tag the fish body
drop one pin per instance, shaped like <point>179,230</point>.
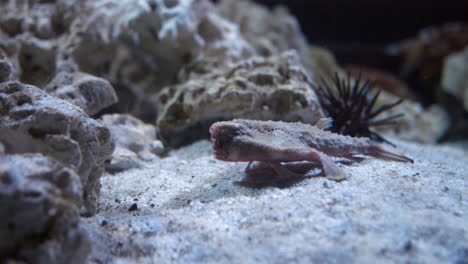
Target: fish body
<point>276,142</point>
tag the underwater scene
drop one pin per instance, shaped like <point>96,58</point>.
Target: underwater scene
<point>233,131</point>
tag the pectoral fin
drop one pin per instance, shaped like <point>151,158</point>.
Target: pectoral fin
<point>282,171</point>
<point>330,168</point>
<point>324,123</point>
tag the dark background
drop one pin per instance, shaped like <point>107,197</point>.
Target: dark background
<point>370,20</point>
<point>357,31</point>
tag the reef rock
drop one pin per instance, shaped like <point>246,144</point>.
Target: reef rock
<point>43,19</point>
<point>140,46</point>
<point>270,32</point>
<point>32,121</point>
<point>135,142</point>
<point>418,124</point>
<point>455,76</point>
<point>5,67</point>
<point>39,204</point>
<point>322,62</point>
<point>89,92</point>
<point>275,88</point>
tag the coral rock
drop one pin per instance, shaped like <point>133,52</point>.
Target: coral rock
<point>39,204</point>
<point>425,53</point>
<point>417,124</point>
<point>276,88</point>
<point>455,76</point>
<point>270,32</point>
<point>135,142</point>
<point>5,67</point>
<point>31,121</point>
<point>90,93</point>
<point>140,46</point>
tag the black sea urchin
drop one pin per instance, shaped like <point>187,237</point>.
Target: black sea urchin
<point>351,107</point>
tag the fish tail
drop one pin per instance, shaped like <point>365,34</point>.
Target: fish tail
<point>385,152</point>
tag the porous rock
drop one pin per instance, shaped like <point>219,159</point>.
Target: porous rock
<point>136,142</point>
<point>32,121</point>
<point>31,34</point>
<point>5,67</point>
<point>275,88</point>
<point>418,124</point>
<point>43,19</point>
<point>270,31</point>
<point>33,60</point>
<point>89,92</point>
<point>39,204</point>
<point>140,46</point>
<point>455,76</point>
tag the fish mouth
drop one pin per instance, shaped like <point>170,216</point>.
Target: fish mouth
<point>215,131</point>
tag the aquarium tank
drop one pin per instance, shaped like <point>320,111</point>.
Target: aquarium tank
<point>233,131</point>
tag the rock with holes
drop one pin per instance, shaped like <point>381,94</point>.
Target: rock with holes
<point>42,19</point>
<point>276,88</point>
<point>39,205</point>
<point>31,33</point>
<point>5,67</point>
<point>136,142</point>
<point>140,46</point>
<point>270,31</point>
<point>33,60</point>
<point>32,121</point>
<point>89,92</point>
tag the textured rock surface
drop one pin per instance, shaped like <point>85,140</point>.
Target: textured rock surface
<point>140,46</point>
<point>89,92</point>
<point>136,142</point>
<point>455,76</point>
<point>43,19</point>
<point>5,67</point>
<point>270,32</point>
<point>31,32</point>
<point>31,121</point>
<point>192,208</point>
<point>33,59</point>
<point>418,124</point>
<point>39,204</point>
<point>276,88</point>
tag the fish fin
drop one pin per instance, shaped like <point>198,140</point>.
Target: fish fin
<point>330,169</point>
<point>324,123</point>
<point>282,171</point>
<point>384,152</point>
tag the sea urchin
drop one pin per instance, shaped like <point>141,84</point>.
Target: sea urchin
<point>351,107</point>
